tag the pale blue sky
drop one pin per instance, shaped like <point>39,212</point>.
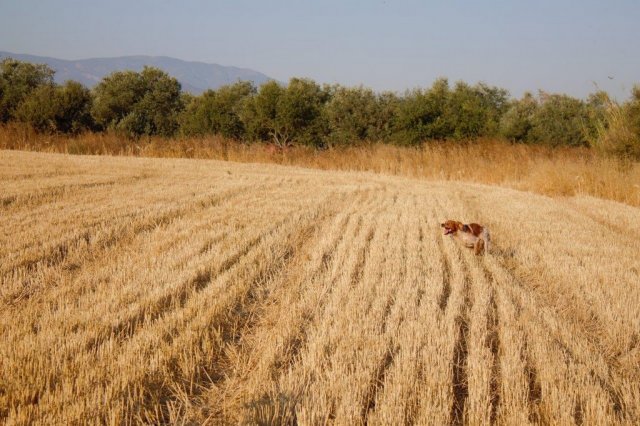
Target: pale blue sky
<point>559,46</point>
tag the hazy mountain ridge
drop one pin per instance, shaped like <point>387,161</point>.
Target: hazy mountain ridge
<point>195,77</point>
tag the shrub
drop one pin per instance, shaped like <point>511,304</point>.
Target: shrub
<point>475,111</point>
<point>38,109</point>
<point>73,108</point>
<point>517,121</point>
<point>144,103</point>
<point>421,115</point>
<point>287,114</point>
<point>217,111</point>
<point>352,115</point>
<point>559,120</point>
<point>633,110</point>
<point>17,81</point>
<point>57,108</point>
<point>441,113</point>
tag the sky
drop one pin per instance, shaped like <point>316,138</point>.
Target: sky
<point>573,47</point>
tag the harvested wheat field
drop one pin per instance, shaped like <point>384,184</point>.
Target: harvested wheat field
<point>165,291</point>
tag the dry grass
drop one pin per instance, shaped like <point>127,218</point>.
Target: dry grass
<point>144,290</point>
<point>553,172</point>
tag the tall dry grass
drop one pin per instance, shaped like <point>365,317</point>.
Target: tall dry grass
<point>554,172</point>
<point>614,134</point>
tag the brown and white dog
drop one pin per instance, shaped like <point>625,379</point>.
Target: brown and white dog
<point>471,235</point>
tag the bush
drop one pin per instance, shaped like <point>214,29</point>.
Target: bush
<point>144,103</point>
<point>550,119</point>
<point>17,81</point>
<point>38,109</point>
<point>441,113</point>
<point>73,108</point>
<point>633,111</point>
<point>475,111</point>
<point>421,115</point>
<point>217,112</point>
<point>287,114</point>
<point>517,122</point>
<point>559,120</point>
<point>57,108</point>
<point>357,114</point>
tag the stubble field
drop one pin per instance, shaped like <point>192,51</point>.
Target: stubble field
<point>158,290</point>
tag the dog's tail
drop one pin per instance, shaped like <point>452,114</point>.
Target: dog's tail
<point>486,237</point>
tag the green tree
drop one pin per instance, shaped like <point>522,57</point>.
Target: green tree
<point>57,108</point>
<point>218,111</point>
<point>559,120</point>
<point>38,109</point>
<point>116,97</point>
<point>259,113</point>
<point>516,123</point>
<point>354,114</point>
<point>287,114</point>
<point>386,116</point>
<point>17,80</point>
<point>144,103</point>
<point>73,108</point>
<point>421,114</point>
<point>633,110</point>
<point>471,111</point>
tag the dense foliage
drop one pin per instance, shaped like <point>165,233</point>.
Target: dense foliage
<point>17,81</point>
<point>65,108</point>
<point>150,102</point>
<point>144,103</point>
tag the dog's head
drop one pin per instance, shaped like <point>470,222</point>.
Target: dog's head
<point>451,227</point>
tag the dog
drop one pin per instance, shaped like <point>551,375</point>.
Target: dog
<point>471,235</point>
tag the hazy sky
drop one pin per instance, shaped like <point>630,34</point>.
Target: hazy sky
<point>559,46</point>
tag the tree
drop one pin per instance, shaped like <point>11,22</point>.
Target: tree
<point>287,114</point>
<point>467,112</point>
<point>516,123</point>
<point>73,108</point>
<point>559,120</point>
<point>218,111</point>
<point>352,115</point>
<point>259,113</point>
<point>115,98</point>
<point>144,103</point>
<point>38,109</point>
<point>421,114</point>
<point>57,108</point>
<point>633,110</point>
<point>17,80</point>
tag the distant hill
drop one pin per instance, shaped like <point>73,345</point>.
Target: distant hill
<point>195,77</point>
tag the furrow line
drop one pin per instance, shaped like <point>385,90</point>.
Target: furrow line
<point>59,192</point>
<point>243,316</point>
<point>88,246</point>
<point>532,304</point>
<point>493,344</point>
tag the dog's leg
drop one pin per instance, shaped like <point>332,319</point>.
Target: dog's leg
<point>479,246</point>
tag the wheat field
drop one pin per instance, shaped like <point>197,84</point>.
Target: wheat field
<point>181,291</point>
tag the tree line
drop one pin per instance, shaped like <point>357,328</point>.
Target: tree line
<point>151,102</point>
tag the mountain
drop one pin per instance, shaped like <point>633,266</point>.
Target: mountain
<point>195,77</point>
